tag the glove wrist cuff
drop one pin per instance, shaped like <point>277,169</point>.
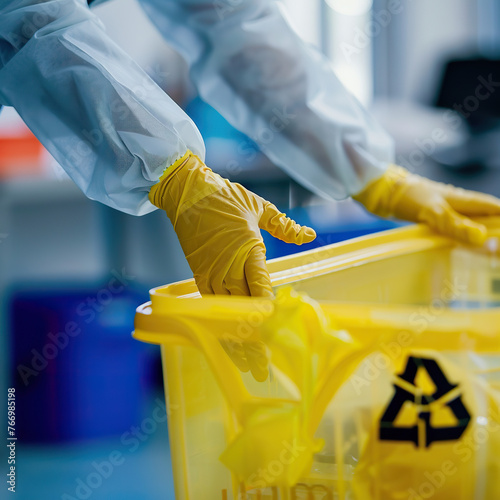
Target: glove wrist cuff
<point>380,196</point>
<point>170,170</point>
<point>156,192</point>
<point>184,184</point>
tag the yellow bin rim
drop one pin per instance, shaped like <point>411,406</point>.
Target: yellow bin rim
<point>155,320</point>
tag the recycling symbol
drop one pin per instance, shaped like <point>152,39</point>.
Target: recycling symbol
<point>407,391</point>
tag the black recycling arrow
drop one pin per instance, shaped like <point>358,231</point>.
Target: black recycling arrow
<point>390,432</point>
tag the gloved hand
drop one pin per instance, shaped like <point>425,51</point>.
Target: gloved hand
<point>217,223</point>
<point>443,207</point>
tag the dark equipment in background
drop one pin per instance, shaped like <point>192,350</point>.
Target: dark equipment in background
<point>471,87</point>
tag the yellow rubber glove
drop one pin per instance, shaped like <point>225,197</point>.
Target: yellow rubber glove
<point>218,225</point>
<point>445,208</point>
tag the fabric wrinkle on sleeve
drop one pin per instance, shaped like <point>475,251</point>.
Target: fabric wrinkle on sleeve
<point>97,112</point>
<point>249,64</point>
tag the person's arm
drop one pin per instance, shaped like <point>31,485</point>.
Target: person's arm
<point>251,66</point>
<point>105,121</point>
<point>121,139</point>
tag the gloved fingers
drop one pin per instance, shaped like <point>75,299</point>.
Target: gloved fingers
<point>248,356</point>
<point>203,285</point>
<point>282,227</point>
<point>472,203</point>
<point>237,354</point>
<point>222,286</point>
<point>256,273</point>
<point>256,356</point>
<point>235,284</point>
<point>447,221</point>
<point>248,277</point>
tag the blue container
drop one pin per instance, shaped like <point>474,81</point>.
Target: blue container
<point>77,371</point>
<point>325,236</point>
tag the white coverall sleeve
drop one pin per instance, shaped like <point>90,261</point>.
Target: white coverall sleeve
<point>104,120</point>
<point>253,68</point>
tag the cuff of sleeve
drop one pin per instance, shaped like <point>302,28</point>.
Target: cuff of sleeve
<point>185,183</point>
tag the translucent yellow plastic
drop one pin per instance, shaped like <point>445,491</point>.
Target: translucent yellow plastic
<point>384,375</point>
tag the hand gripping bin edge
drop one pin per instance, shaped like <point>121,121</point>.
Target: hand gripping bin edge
<point>384,375</point>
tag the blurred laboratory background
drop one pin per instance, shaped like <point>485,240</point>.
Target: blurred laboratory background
<point>90,405</point>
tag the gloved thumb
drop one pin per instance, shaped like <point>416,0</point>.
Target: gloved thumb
<point>282,227</point>
<point>447,221</point>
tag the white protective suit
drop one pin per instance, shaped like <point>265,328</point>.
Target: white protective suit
<point>85,99</point>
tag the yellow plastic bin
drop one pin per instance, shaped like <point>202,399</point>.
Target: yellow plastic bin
<point>384,375</point>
